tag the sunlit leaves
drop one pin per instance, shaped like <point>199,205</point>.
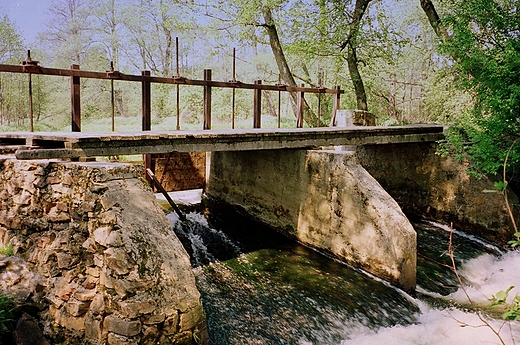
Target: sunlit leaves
<point>485,43</point>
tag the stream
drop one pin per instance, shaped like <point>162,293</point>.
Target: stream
<point>259,287</point>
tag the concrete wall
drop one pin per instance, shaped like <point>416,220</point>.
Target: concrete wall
<point>427,185</point>
<point>95,258</point>
<point>324,199</point>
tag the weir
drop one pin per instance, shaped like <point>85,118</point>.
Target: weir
<point>343,203</point>
<point>324,199</point>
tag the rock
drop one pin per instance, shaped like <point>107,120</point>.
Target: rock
<point>68,321</point>
<point>191,318</point>
<point>93,272</point>
<point>87,206</point>
<point>90,283</point>
<point>97,306</point>
<point>114,239</point>
<point>93,329</point>
<point>183,338</point>
<point>121,326</point>
<point>66,260</point>
<point>118,260</point>
<point>107,202</point>
<point>171,324</point>
<point>90,245</point>
<point>108,218</point>
<point>53,179</point>
<point>101,235</point>
<point>63,290</point>
<point>84,295</point>
<point>115,339</point>
<point>154,319</point>
<point>134,309</point>
<point>28,332</point>
<point>150,336</point>
<point>76,308</point>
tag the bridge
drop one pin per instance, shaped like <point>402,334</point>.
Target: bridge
<point>347,204</point>
<point>43,145</point>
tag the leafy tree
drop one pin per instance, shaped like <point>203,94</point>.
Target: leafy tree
<point>69,33</point>
<point>11,44</point>
<point>11,86</point>
<point>482,39</point>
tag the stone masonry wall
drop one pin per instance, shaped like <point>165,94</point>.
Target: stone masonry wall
<point>95,258</point>
<point>427,185</point>
<point>181,170</point>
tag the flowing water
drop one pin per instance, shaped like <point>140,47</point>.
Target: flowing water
<point>258,287</point>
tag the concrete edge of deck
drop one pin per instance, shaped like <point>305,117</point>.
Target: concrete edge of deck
<point>77,145</point>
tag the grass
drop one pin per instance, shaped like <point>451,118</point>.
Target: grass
<point>6,313</point>
<point>7,250</point>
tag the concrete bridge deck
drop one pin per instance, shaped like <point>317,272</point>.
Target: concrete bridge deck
<point>49,145</point>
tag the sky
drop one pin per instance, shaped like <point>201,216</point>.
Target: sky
<point>27,15</point>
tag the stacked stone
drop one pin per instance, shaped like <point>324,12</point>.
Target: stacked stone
<point>104,265</point>
<point>181,170</point>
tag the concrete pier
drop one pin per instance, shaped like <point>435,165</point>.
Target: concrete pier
<point>326,200</point>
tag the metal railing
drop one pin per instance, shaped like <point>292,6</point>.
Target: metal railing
<point>75,74</point>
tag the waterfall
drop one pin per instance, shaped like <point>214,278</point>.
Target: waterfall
<point>259,287</point>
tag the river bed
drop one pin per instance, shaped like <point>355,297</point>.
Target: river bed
<point>259,287</point>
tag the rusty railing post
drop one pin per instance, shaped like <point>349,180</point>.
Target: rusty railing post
<point>146,108</point>
<point>301,105</point>
<point>112,98</point>
<point>257,106</point>
<point>177,92</point>
<point>146,102</point>
<point>207,99</point>
<point>31,103</point>
<point>75,101</point>
<point>335,106</point>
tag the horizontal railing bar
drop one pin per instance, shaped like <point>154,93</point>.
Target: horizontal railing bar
<point>161,80</point>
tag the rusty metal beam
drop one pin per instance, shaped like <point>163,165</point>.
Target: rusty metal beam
<point>161,80</point>
<point>207,100</point>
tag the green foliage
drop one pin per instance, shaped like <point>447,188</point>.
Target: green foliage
<point>7,250</point>
<point>6,313</point>
<point>512,310</point>
<point>516,242</point>
<point>11,44</point>
<point>485,48</point>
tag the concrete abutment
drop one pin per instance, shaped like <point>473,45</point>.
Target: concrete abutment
<point>324,199</point>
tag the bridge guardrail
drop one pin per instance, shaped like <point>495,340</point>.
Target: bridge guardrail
<point>31,67</point>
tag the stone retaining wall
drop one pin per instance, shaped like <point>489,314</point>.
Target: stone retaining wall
<point>180,170</point>
<point>427,185</point>
<point>95,258</point>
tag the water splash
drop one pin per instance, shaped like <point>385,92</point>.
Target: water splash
<point>434,326</point>
<point>484,277</point>
<point>287,294</point>
<point>203,243</point>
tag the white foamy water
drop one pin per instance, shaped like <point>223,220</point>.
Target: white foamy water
<point>195,217</point>
<point>485,276</point>
<point>446,327</point>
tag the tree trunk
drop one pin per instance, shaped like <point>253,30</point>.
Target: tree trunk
<point>357,81</point>
<point>433,18</point>
<point>351,57</point>
<point>283,66</point>
<point>270,104</point>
